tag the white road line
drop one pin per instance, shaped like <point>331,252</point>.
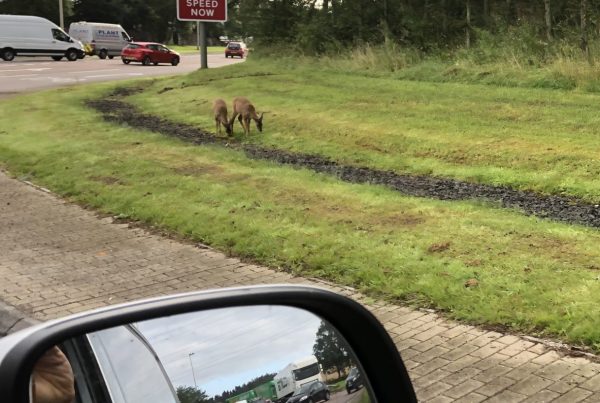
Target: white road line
<point>115,75</point>
<point>38,69</point>
<point>20,75</point>
<point>94,71</point>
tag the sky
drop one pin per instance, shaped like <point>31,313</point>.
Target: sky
<point>230,346</point>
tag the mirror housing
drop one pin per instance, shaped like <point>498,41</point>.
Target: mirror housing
<point>372,346</point>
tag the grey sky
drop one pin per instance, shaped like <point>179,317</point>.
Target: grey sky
<point>232,345</point>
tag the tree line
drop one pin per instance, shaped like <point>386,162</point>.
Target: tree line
<point>318,25</point>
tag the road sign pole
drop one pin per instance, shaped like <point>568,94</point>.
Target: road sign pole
<point>61,14</point>
<point>203,50</point>
<point>198,35</point>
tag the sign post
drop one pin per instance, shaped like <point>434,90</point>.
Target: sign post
<point>202,11</point>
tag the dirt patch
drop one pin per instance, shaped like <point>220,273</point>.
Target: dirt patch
<point>438,247</point>
<point>107,180</point>
<point>560,208</point>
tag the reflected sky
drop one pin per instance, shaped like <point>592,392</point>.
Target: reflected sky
<point>230,346</point>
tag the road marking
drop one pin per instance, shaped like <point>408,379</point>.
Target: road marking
<point>38,69</point>
<point>115,75</point>
<point>94,71</point>
<point>20,75</point>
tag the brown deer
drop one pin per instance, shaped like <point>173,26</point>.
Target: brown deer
<point>244,110</point>
<point>220,111</point>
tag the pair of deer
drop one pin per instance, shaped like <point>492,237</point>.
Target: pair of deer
<point>242,108</point>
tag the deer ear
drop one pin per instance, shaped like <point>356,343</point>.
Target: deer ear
<point>261,116</point>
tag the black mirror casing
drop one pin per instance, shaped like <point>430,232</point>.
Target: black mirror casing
<point>373,347</point>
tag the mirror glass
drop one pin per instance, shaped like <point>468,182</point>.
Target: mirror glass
<point>249,354</point>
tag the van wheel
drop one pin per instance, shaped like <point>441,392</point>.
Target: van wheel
<point>71,55</point>
<point>103,53</point>
<point>111,57</point>
<point>8,54</point>
<point>57,58</point>
<point>146,61</point>
<point>175,61</point>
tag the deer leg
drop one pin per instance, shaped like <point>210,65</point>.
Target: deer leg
<point>217,126</point>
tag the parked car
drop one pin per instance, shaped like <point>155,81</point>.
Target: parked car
<point>311,393</point>
<point>354,381</point>
<point>24,35</point>
<point>238,49</point>
<point>103,40</point>
<point>149,53</point>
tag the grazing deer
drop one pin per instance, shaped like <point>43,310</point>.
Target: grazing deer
<point>220,111</point>
<point>244,110</point>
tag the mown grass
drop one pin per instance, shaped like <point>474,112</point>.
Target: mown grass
<point>538,139</point>
<point>192,49</point>
<point>534,275</point>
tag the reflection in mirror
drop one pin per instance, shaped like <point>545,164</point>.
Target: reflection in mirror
<point>250,354</point>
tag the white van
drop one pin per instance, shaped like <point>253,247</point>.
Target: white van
<point>25,35</point>
<point>99,38</point>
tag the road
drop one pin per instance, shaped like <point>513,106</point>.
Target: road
<point>26,74</point>
<point>343,397</point>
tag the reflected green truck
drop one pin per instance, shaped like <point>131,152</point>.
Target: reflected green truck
<point>264,391</point>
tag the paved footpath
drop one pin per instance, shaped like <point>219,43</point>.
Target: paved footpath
<point>57,258</point>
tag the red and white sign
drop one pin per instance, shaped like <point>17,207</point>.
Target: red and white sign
<point>202,10</point>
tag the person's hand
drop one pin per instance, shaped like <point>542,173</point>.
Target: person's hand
<point>52,378</point>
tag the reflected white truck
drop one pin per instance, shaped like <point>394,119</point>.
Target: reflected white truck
<point>295,375</point>
<point>101,39</point>
<point>25,35</point>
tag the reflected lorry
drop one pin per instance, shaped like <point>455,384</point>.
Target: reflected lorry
<point>295,375</point>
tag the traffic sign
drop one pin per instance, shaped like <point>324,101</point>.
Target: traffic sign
<point>202,10</point>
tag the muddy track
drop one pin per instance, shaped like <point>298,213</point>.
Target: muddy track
<point>560,208</point>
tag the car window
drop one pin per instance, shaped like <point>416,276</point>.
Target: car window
<point>60,35</point>
<point>133,46</point>
<point>163,49</point>
<point>234,46</point>
<point>124,36</point>
<point>130,367</point>
<point>152,47</point>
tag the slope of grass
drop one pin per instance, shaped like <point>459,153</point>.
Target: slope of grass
<point>533,275</point>
<point>539,139</point>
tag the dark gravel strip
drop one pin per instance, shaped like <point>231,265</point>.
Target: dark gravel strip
<point>560,208</point>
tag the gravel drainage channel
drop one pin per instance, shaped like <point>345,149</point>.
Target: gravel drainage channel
<point>560,208</point>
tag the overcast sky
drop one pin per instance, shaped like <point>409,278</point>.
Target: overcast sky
<point>230,346</point>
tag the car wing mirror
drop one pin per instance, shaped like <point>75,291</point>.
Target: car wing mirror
<point>225,344</point>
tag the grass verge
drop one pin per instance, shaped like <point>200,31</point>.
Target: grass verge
<point>538,139</point>
<point>532,275</point>
<point>193,49</point>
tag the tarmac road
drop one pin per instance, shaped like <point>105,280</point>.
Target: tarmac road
<point>27,74</point>
<point>343,397</point>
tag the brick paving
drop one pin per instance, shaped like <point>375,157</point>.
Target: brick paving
<point>57,258</point>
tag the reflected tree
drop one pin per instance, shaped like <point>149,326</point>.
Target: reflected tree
<point>190,394</point>
<point>332,351</point>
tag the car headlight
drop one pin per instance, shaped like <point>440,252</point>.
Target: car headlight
<point>303,398</point>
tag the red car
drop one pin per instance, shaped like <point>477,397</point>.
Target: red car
<point>235,49</point>
<point>149,53</point>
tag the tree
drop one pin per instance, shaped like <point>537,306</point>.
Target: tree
<point>331,351</point>
<point>190,394</point>
<point>41,8</point>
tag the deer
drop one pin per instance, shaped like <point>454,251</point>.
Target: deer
<point>220,111</point>
<point>244,110</point>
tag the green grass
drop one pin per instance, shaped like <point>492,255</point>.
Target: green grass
<point>539,139</point>
<point>337,386</point>
<point>193,49</point>
<point>534,275</point>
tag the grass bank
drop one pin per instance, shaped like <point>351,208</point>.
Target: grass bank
<point>192,49</point>
<point>536,139</point>
<point>532,275</point>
